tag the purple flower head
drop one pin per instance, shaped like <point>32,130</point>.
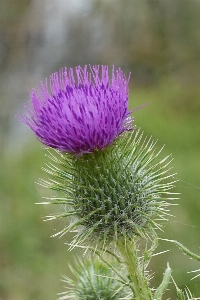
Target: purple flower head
<point>80,113</point>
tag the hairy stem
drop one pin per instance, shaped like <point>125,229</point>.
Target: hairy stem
<point>136,275</point>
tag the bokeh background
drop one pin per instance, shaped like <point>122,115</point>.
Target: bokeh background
<point>158,41</point>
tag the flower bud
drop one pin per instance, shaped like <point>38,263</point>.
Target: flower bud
<point>94,280</point>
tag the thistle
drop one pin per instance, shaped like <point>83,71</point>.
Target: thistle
<point>93,280</point>
<point>112,186</point>
<point>115,187</point>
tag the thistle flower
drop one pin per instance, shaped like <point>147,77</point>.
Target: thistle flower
<point>80,113</point>
<point>94,280</point>
<point>112,187</point>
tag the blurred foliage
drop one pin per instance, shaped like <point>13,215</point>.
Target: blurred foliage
<point>31,262</point>
<point>11,15</point>
<point>159,42</point>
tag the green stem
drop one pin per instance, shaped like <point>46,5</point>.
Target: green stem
<point>138,280</point>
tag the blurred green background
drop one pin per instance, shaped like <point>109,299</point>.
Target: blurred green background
<point>158,41</point>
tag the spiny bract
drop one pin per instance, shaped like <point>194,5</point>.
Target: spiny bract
<point>94,280</point>
<point>118,192</point>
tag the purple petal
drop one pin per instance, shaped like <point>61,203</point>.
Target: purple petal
<point>80,113</point>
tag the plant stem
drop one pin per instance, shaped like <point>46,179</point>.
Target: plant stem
<point>136,275</point>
